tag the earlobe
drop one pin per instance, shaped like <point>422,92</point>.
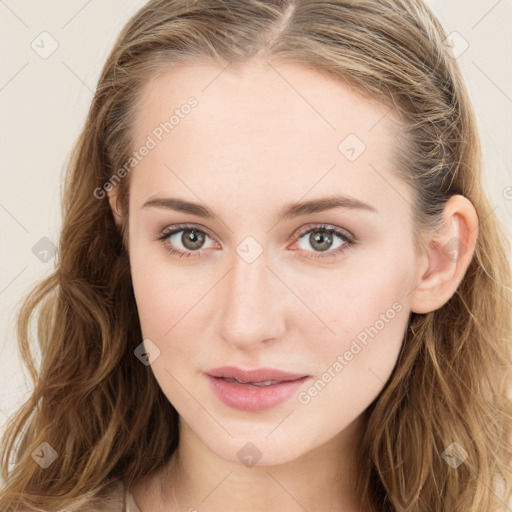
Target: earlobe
<point>112,199</point>
<point>450,251</point>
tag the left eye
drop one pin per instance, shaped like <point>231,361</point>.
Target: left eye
<point>192,240</point>
<point>321,238</point>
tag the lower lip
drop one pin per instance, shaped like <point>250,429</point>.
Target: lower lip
<point>247,397</point>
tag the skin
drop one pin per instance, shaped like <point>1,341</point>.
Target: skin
<point>255,142</point>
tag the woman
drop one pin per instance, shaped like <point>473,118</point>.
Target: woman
<point>279,283</point>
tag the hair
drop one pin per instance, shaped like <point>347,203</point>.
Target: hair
<point>103,411</point>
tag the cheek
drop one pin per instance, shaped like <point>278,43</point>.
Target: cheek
<point>162,291</point>
<point>354,366</point>
<point>364,308</point>
<point>350,304</point>
<point>366,315</point>
<point>358,298</point>
<point>163,298</point>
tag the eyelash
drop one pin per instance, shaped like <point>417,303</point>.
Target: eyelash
<point>347,238</point>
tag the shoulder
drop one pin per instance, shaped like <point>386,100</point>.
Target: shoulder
<point>119,499</point>
<point>110,499</point>
<point>129,502</point>
<point>122,499</point>
<point>114,498</point>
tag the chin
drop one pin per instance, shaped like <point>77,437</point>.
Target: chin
<point>250,451</point>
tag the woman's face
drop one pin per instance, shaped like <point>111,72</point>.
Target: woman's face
<point>257,286</point>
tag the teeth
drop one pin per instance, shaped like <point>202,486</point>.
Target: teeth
<point>264,383</point>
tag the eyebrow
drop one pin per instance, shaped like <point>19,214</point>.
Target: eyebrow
<point>288,211</point>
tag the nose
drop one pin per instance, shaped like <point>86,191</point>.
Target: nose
<point>252,302</point>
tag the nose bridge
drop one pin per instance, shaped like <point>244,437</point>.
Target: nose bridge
<point>251,307</point>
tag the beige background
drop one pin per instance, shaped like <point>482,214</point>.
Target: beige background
<point>43,103</point>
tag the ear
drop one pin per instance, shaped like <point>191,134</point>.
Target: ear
<point>112,199</point>
<point>450,251</point>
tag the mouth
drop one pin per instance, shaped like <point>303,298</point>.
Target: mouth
<point>254,390</point>
<point>256,384</point>
<point>259,376</point>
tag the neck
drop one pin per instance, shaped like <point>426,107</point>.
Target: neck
<point>321,479</point>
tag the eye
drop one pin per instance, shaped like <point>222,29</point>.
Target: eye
<point>321,238</point>
<point>191,240</point>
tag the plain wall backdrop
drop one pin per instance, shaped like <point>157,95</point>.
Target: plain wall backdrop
<point>52,55</point>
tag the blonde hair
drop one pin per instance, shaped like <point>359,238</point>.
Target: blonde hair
<point>103,411</point>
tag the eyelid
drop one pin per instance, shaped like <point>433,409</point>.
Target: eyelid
<point>348,238</point>
<point>327,227</point>
<point>176,228</point>
<point>299,233</point>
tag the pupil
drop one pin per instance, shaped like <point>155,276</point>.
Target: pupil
<point>319,238</point>
<point>194,240</point>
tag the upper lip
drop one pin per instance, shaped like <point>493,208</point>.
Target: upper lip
<point>257,375</point>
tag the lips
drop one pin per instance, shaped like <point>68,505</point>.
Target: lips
<point>259,376</point>
<point>254,390</point>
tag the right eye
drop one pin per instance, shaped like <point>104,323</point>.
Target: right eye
<point>191,240</point>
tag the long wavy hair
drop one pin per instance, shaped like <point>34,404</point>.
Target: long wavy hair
<point>104,413</point>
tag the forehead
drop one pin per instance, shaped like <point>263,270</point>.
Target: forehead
<point>261,123</point>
